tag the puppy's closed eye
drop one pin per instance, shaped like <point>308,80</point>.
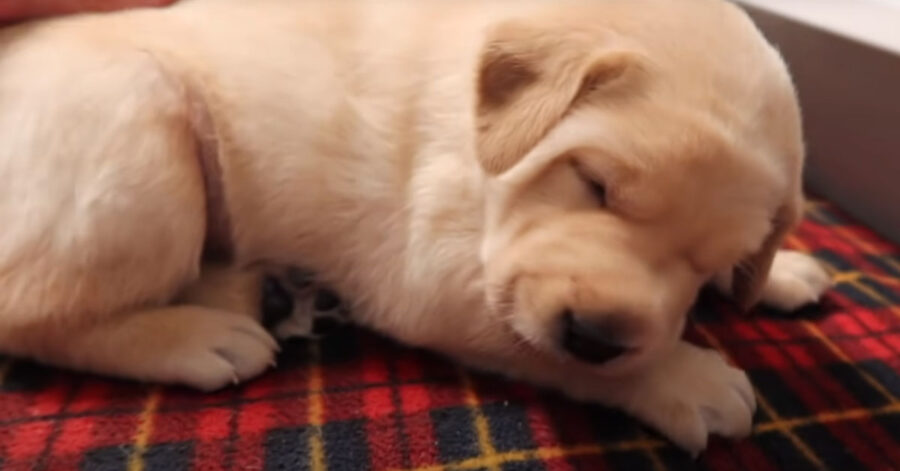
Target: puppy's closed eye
<point>598,189</point>
<point>595,185</point>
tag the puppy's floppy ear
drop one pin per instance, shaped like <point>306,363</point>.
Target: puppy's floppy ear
<point>751,274</point>
<point>529,77</point>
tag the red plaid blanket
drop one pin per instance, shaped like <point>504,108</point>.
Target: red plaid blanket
<point>828,385</point>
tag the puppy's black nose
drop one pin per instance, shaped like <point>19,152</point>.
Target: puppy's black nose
<point>596,341</point>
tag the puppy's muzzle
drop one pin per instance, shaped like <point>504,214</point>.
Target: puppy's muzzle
<point>594,339</point>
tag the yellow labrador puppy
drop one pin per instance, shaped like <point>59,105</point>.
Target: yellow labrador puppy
<point>537,188</point>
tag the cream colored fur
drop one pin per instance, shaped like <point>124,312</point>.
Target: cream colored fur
<point>426,158</point>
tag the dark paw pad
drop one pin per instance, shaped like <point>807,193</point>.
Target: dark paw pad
<point>326,300</point>
<point>277,303</point>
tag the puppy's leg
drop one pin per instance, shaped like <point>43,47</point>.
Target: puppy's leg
<point>201,347</point>
<point>104,220</point>
<point>795,280</point>
<point>688,395</point>
<point>209,338</point>
<point>227,288</point>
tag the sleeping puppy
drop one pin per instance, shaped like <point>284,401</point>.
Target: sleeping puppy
<point>536,188</point>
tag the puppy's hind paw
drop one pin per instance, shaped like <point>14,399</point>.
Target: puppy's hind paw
<point>301,309</point>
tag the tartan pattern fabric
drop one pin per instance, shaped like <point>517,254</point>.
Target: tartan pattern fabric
<point>828,383</point>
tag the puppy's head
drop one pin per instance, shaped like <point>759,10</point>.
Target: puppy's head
<point>633,148</point>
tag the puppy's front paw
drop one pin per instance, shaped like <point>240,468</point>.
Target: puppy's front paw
<point>693,394</point>
<point>795,280</point>
<point>211,350</point>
